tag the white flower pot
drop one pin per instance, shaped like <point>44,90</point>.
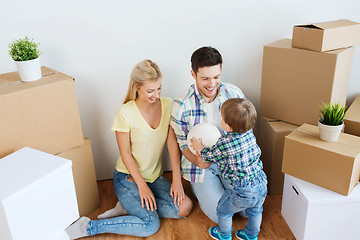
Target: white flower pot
<point>29,70</point>
<point>330,133</point>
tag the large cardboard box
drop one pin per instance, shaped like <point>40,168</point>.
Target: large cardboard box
<point>296,81</point>
<point>37,195</point>
<point>271,141</point>
<point>42,114</point>
<point>352,119</point>
<point>332,165</point>
<point>326,36</point>
<point>84,177</point>
<point>313,212</point>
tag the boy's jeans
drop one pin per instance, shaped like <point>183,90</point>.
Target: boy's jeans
<point>248,195</point>
<point>140,221</point>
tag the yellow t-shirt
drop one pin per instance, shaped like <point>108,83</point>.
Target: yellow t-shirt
<point>146,143</point>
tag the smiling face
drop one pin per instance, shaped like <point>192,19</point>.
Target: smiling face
<point>149,92</point>
<point>208,80</point>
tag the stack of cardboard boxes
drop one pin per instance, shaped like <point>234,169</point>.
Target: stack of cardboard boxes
<point>298,75</point>
<point>44,115</point>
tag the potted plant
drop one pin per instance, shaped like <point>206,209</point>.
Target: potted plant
<point>26,53</point>
<point>331,122</point>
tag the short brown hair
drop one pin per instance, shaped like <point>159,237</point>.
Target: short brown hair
<point>205,57</point>
<point>239,114</point>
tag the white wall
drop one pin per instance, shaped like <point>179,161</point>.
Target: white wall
<point>98,43</point>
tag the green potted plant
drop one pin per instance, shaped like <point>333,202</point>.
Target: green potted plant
<point>25,53</point>
<point>331,121</point>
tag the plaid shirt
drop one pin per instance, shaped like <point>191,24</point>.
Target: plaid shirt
<point>237,156</point>
<point>189,110</point>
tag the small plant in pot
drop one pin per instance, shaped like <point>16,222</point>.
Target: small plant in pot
<point>25,53</point>
<point>331,121</point>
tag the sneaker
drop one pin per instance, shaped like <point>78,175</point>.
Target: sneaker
<point>241,234</point>
<point>213,231</point>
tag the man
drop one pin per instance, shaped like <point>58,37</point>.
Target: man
<point>201,103</point>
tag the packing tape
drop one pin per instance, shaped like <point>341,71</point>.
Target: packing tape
<point>12,83</point>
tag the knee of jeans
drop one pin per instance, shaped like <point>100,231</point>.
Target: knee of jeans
<point>153,225</point>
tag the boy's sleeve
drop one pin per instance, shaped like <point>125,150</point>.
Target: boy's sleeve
<point>212,154</point>
<point>120,124</point>
<point>179,124</point>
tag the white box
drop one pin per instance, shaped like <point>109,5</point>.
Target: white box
<point>37,195</point>
<point>313,212</point>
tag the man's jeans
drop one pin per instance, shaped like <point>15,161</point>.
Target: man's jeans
<point>248,195</point>
<point>209,192</point>
<point>140,221</point>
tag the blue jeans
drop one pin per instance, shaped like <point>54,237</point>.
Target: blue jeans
<point>140,221</point>
<point>209,192</point>
<point>243,195</point>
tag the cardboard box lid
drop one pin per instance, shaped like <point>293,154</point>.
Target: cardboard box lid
<point>10,82</point>
<point>280,126</point>
<point>347,145</point>
<point>287,44</point>
<point>353,113</point>
<point>329,25</point>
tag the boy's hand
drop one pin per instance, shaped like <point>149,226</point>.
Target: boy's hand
<point>196,144</point>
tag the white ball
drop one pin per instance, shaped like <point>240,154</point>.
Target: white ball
<point>208,133</point>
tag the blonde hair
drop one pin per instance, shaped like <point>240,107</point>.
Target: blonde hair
<point>145,70</point>
<point>239,114</point>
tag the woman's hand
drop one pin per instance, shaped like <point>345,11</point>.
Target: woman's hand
<point>177,192</point>
<point>147,197</point>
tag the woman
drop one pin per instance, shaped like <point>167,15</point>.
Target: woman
<point>141,127</point>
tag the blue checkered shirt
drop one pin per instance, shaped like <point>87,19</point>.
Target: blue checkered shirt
<point>189,110</point>
<point>237,156</point>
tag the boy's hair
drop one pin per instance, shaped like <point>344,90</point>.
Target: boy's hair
<point>239,114</point>
<point>205,57</point>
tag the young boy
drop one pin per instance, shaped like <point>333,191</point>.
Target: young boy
<point>237,156</point>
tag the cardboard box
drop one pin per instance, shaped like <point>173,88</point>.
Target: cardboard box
<point>313,212</point>
<point>84,177</point>
<point>296,81</point>
<point>37,195</point>
<point>332,165</point>
<point>326,36</point>
<point>352,120</point>
<point>271,141</point>
<point>42,114</point>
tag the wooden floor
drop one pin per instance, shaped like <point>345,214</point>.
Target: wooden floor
<point>195,227</point>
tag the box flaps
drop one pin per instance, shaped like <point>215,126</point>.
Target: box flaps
<point>311,26</point>
<point>353,113</point>
<point>347,145</point>
<point>334,24</point>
